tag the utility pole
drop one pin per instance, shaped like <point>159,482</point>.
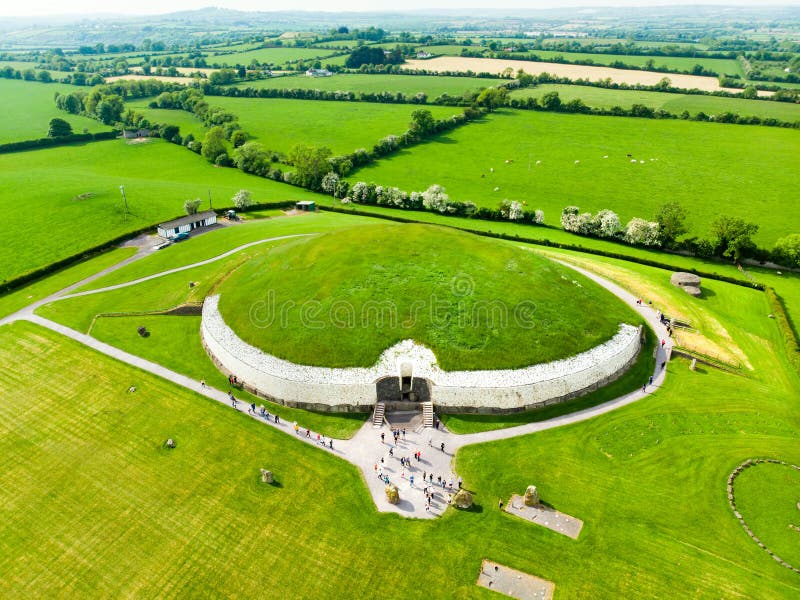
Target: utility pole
<point>210,207</point>
<point>124,199</point>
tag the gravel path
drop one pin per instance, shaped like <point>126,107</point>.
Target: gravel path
<point>366,448</point>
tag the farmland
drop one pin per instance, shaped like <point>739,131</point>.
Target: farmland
<point>28,108</point>
<point>281,124</point>
<point>58,222</point>
<point>405,84</point>
<point>111,356</point>
<point>674,103</point>
<point>592,73</point>
<point>694,160</point>
<point>267,56</point>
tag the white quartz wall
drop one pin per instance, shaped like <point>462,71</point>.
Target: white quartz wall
<point>343,389</point>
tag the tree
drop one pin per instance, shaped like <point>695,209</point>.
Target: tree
<point>238,138</point>
<point>671,218</point>
<point>787,251</point>
<point>110,108</point>
<point>310,163</point>
<point>242,199</point>
<point>222,77</point>
<point>59,128</point>
<point>750,92</point>
<point>422,121</point>
<point>493,97</point>
<point>191,206</point>
<point>213,143</point>
<point>251,157</point>
<point>330,182</point>
<point>733,237</point>
<point>550,101</point>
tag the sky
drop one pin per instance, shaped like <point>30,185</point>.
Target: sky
<point>148,7</point>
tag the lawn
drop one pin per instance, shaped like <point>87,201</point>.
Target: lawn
<point>433,86</point>
<point>767,496</point>
<point>712,162</point>
<point>14,301</point>
<point>29,106</point>
<point>268,56</point>
<point>674,103</point>
<point>375,286</point>
<point>174,342</point>
<point>648,481</point>
<point>187,122</point>
<point>55,222</point>
<point>281,124</point>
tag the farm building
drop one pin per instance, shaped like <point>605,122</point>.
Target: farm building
<point>307,205</point>
<point>318,73</point>
<point>135,133</point>
<point>186,224</point>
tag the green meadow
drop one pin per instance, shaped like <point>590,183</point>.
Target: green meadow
<point>433,86</point>
<point>674,103</point>
<point>269,56</point>
<point>714,163</point>
<point>620,473</point>
<point>281,124</point>
<point>73,200</point>
<point>29,106</point>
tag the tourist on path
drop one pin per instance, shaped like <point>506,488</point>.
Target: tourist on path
<point>383,435</point>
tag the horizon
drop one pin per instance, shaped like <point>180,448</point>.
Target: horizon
<point>95,8</point>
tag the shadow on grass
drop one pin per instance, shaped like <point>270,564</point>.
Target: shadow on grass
<point>629,382</point>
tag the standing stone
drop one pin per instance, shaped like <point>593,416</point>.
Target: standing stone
<point>392,494</point>
<point>463,499</point>
<point>531,496</point>
<point>693,366</point>
<point>266,476</point>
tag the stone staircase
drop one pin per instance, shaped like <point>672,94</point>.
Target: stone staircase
<point>427,414</point>
<point>377,416</point>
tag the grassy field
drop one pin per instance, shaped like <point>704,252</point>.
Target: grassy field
<point>342,126</point>
<point>766,496</point>
<point>158,177</point>
<point>469,317</point>
<point>187,122</point>
<point>620,473</point>
<point>674,103</point>
<point>406,84</point>
<point>174,342</point>
<point>29,106</point>
<point>14,301</point>
<point>712,162</point>
<point>269,56</point>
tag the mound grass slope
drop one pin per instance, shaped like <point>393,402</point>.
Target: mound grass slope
<point>341,299</point>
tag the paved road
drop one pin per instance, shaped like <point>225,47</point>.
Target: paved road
<point>366,448</point>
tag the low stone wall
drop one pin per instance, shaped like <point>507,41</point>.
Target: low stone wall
<point>502,390</point>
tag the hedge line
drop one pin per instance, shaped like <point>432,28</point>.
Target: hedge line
<point>57,141</point>
<point>551,244</point>
<point>784,325</point>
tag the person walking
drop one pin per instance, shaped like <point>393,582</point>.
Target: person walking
<point>650,381</point>
<point>404,433</point>
<point>296,428</point>
<point>442,446</point>
<point>460,481</point>
<point>411,480</point>
<point>383,436</point>
<point>202,383</point>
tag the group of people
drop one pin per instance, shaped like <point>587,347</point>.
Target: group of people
<point>308,435</point>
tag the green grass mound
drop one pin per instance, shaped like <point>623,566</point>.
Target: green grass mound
<point>341,299</point>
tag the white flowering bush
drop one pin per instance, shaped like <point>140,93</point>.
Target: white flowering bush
<point>360,192</point>
<point>538,217</point>
<point>435,199</point>
<point>606,223</point>
<point>642,232</point>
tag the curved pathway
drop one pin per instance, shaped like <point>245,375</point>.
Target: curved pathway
<point>367,450</point>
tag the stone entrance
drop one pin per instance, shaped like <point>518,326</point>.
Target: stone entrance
<point>411,390</point>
